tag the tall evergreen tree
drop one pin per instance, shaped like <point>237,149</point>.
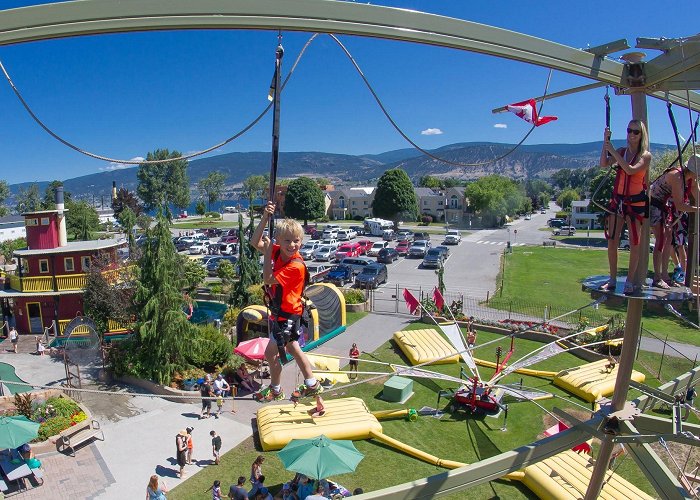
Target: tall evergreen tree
<point>211,187</point>
<point>126,199</point>
<point>248,270</point>
<point>28,200</point>
<point>4,193</point>
<point>49,201</point>
<point>162,328</point>
<point>395,198</point>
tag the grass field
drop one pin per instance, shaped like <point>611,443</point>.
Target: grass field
<point>457,436</point>
<point>553,276</point>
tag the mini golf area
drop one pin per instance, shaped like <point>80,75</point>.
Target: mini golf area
<point>563,476</point>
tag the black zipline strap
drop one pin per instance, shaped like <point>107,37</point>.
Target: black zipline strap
<point>607,107</point>
<point>606,178</point>
<point>691,139</point>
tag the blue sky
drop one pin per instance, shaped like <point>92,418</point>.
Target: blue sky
<point>124,95</point>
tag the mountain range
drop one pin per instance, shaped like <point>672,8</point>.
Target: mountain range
<point>523,162</point>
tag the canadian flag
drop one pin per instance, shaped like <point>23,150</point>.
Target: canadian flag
<point>528,112</point>
<point>411,302</point>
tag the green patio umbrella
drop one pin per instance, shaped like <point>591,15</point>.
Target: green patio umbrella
<point>16,431</point>
<point>320,457</point>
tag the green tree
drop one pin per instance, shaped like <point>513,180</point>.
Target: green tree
<point>494,197</point>
<point>428,181</point>
<point>566,197</point>
<point>162,329</point>
<point>8,247</point>
<point>248,269</point>
<point>28,200</point>
<point>211,187</point>
<point>254,187</point>
<point>451,182</point>
<point>395,198</point>
<point>126,199</point>
<point>304,200</point>
<point>163,184</point>
<point>49,201</point>
<point>103,301</point>
<point>543,199</point>
<point>127,219</point>
<point>562,178</point>
<point>81,219</point>
<point>193,272</point>
<point>200,208</point>
<point>144,221</point>
<point>4,194</point>
<point>526,205</point>
<point>322,181</point>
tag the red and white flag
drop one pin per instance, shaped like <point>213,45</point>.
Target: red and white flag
<point>527,110</point>
<point>439,299</point>
<point>411,302</point>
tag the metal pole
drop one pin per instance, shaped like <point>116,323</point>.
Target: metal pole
<point>663,353</point>
<point>634,306</point>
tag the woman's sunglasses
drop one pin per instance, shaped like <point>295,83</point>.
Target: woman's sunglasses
<point>634,131</point>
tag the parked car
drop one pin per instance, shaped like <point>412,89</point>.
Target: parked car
<point>419,248</point>
<point>372,276</point>
<point>365,245</point>
<point>453,237</point>
<point>402,247</point>
<point>310,229</point>
<point>445,251</point>
<point>554,222</point>
<point>228,239</point>
<point>307,250</point>
<point>317,272</point>
<point>378,245</point>
<point>433,258</point>
<point>347,250</point>
<point>404,235</point>
<point>343,235</point>
<point>625,244</point>
<point>543,211</point>
<point>330,233</point>
<point>214,262</point>
<point>331,242</point>
<point>528,217</point>
<point>198,248</point>
<point>388,235</point>
<point>228,248</point>
<point>359,230</point>
<point>421,237</point>
<point>340,275</point>
<point>324,253</point>
<point>564,231</point>
<point>357,264</point>
<point>387,255</point>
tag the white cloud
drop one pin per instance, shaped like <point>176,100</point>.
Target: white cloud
<point>119,166</point>
<point>431,131</point>
<point>500,125</point>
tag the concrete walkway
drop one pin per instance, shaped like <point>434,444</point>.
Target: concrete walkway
<point>140,431</point>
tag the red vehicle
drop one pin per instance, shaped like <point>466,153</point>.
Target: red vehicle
<point>348,250</point>
<point>310,229</point>
<point>402,247</point>
<point>365,245</point>
<point>228,239</point>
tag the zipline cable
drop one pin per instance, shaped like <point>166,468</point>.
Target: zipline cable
<point>148,162</point>
<point>409,140</point>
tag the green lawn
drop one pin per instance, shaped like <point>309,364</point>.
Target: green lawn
<point>456,437</point>
<point>535,276</point>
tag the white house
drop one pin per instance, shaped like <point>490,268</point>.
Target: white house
<point>580,216</point>
<point>12,227</point>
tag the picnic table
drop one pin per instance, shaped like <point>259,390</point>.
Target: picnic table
<point>15,470</point>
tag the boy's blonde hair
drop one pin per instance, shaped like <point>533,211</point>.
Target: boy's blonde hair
<point>289,227</point>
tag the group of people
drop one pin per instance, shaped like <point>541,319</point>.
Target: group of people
<point>184,448</point>
<point>216,390</point>
<point>666,203</point>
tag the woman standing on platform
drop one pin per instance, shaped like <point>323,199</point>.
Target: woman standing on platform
<point>629,200</point>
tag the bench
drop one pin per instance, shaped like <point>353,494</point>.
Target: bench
<point>549,243</point>
<point>78,434</point>
<point>3,486</point>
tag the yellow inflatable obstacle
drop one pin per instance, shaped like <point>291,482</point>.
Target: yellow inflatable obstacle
<point>346,418</point>
<point>425,346</point>
<point>565,476</point>
<point>592,381</point>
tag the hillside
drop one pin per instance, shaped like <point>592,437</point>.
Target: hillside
<point>530,161</point>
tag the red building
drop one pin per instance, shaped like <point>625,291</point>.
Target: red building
<point>50,278</point>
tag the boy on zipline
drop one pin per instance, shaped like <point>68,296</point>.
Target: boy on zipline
<point>284,273</point>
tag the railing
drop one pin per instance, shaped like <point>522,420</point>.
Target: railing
<point>112,326</point>
<point>116,326</point>
<point>64,282</point>
<point>80,330</point>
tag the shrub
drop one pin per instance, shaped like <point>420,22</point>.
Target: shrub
<point>358,218</point>
<point>354,296</point>
<point>53,426</point>
<point>23,404</point>
<point>78,417</point>
<point>213,215</point>
<point>426,219</point>
<point>209,348</point>
<point>190,373</point>
<point>257,294</point>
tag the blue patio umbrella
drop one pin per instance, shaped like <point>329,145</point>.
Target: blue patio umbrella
<point>16,431</point>
<point>320,457</point>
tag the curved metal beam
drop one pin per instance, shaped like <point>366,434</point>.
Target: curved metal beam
<point>90,17</point>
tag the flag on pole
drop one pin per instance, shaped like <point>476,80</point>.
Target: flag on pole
<point>438,299</point>
<point>527,110</point>
<point>411,302</point>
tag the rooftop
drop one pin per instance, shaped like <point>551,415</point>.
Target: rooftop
<point>74,246</point>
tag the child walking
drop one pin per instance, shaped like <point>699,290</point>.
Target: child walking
<point>219,403</point>
<point>215,446</point>
<point>215,490</point>
<point>284,272</point>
